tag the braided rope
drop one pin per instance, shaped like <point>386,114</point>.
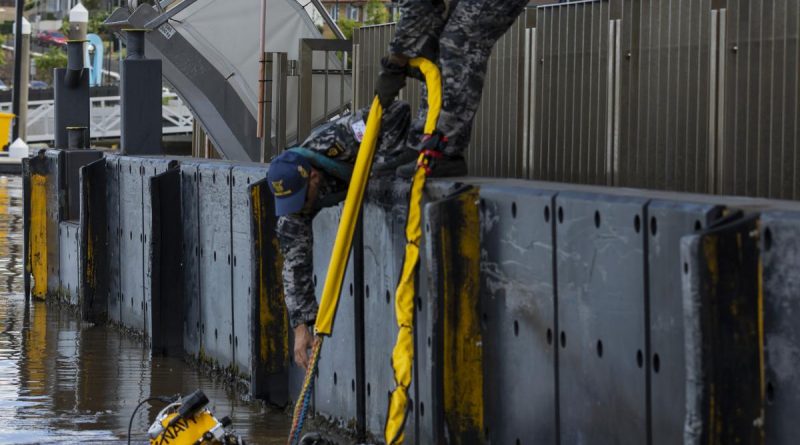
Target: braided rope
<point>304,398</point>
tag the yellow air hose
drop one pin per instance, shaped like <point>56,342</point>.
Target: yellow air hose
<point>403,355</point>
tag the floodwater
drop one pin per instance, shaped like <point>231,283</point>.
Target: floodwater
<point>62,381</point>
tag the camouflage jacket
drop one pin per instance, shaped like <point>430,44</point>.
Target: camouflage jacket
<point>338,140</point>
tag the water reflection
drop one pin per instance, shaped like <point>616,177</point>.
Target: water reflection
<point>65,381</point>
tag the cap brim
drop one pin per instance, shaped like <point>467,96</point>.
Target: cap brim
<point>291,204</point>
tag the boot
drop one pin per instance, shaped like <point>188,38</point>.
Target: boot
<point>389,165</point>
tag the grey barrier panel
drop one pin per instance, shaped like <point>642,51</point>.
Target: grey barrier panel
<point>601,317</point>
<point>243,263</point>
<point>131,244</point>
<point>384,244</point>
<point>518,304</point>
<point>780,237</point>
<point>149,168</point>
<point>54,160</point>
<point>270,379</point>
<point>94,227</point>
<point>114,237</point>
<point>69,287</point>
<point>761,115</point>
<point>334,394</point>
<point>192,338</point>
<point>384,240</point>
<point>571,91</point>
<point>668,222</point>
<point>73,161</point>
<point>166,255</point>
<point>216,313</point>
<point>421,419</point>
<point>722,303</point>
<point>665,95</point>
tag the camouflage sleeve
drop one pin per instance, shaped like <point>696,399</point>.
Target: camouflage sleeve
<point>421,22</point>
<point>296,238</point>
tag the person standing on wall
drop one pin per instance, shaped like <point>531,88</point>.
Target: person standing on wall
<point>458,35</point>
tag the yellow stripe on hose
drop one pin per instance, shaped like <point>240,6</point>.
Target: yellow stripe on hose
<point>347,225</point>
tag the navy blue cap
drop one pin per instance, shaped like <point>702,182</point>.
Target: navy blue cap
<point>288,179</point>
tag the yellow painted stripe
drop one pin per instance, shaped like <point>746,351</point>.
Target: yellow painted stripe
<point>464,352</point>
<point>38,235</point>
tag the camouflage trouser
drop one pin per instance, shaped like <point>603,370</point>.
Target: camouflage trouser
<point>466,34</point>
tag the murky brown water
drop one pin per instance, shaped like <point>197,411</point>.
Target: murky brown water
<point>64,381</point>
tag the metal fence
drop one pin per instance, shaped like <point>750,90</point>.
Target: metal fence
<point>688,95</point>
<point>105,117</point>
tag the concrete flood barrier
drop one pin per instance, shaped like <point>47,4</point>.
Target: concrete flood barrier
<point>545,312</point>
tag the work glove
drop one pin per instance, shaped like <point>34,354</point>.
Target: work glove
<point>391,80</point>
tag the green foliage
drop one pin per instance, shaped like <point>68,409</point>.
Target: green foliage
<point>347,26</point>
<point>376,13</point>
<point>2,53</point>
<point>53,58</point>
<point>96,26</point>
<point>91,5</point>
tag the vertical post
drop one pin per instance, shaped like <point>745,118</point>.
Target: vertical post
<point>261,74</point>
<point>304,107</point>
<point>280,101</point>
<point>358,309</point>
<point>20,127</point>
<point>15,101</point>
<point>265,107</point>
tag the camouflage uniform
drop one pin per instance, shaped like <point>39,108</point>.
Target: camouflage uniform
<point>466,31</point>
<point>336,140</point>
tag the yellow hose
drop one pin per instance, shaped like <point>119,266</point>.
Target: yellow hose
<point>403,353</point>
<point>347,224</point>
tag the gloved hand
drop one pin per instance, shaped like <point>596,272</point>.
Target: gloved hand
<point>391,80</point>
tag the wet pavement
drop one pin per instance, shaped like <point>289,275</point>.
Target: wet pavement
<point>62,381</point>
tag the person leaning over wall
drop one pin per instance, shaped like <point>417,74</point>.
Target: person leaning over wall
<point>316,175</point>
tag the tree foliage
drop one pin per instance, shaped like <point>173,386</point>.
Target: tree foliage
<point>375,13</point>
<point>53,58</point>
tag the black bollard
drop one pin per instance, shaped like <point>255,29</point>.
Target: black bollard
<point>140,97</point>
<point>71,94</point>
<point>77,138</point>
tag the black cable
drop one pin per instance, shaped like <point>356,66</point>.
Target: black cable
<point>150,399</point>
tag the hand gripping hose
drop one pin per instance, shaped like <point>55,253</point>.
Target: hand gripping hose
<point>404,350</point>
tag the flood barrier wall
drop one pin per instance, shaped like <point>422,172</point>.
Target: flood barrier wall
<point>545,312</point>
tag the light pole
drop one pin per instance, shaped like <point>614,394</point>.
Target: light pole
<point>21,87</point>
